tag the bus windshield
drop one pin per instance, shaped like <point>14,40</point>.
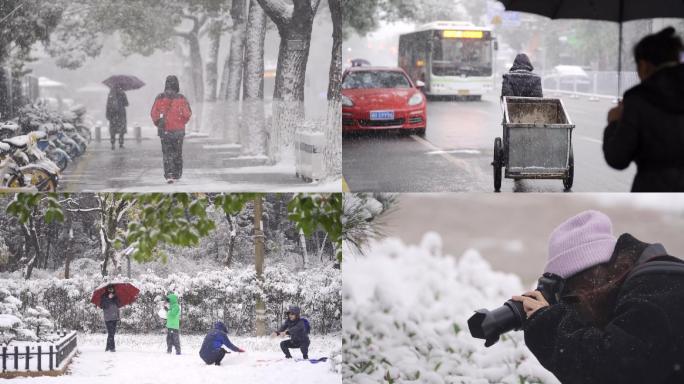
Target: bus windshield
<point>375,79</point>
<point>456,57</point>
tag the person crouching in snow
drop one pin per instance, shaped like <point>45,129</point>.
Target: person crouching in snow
<point>215,345</point>
<point>173,323</point>
<point>298,330</point>
<point>619,318</point>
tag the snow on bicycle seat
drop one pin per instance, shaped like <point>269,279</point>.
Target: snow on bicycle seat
<point>20,142</point>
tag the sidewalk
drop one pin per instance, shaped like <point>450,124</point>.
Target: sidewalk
<point>208,167</point>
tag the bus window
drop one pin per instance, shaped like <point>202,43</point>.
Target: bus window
<point>455,57</point>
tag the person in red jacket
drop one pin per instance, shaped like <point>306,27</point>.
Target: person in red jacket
<point>170,113</point>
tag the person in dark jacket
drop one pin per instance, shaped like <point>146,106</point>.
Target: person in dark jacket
<point>215,345</point>
<point>116,114</point>
<point>520,81</point>
<point>170,113</point>
<point>110,310</point>
<point>608,328</point>
<point>648,126</point>
<point>296,328</point>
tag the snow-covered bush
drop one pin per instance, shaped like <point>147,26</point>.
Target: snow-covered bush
<point>31,324</point>
<point>405,319</point>
<point>223,294</point>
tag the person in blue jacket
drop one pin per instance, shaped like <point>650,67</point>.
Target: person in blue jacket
<point>298,329</point>
<point>215,344</point>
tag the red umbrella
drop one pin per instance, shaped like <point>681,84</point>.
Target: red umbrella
<point>126,293</point>
<point>124,82</point>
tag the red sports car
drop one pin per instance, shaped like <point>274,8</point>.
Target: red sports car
<point>376,98</point>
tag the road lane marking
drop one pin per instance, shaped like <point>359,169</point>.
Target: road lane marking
<point>590,139</point>
<point>475,173</point>
<point>456,152</point>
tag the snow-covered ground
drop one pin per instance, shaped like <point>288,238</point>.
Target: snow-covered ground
<point>141,359</point>
<point>405,318</point>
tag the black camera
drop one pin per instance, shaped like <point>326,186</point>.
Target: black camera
<point>490,325</point>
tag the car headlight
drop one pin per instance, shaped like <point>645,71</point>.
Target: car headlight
<point>416,99</point>
<point>347,102</point>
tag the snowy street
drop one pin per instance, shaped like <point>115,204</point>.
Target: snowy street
<point>142,359</point>
<point>208,167</point>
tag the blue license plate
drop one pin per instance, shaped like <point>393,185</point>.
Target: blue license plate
<point>382,115</point>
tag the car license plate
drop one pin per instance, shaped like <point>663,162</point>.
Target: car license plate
<point>463,92</point>
<point>381,115</point>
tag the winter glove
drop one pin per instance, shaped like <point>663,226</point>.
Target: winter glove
<point>240,350</point>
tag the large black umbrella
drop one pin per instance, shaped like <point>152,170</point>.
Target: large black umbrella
<point>608,10</point>
<point>124,82</point>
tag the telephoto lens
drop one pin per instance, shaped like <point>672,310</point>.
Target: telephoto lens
<point>490,325</point>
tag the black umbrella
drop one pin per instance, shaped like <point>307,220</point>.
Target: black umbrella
<point>124,82</point>
<point>608,10</point>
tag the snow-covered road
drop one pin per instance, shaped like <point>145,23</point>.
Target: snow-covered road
<point>142,360</point>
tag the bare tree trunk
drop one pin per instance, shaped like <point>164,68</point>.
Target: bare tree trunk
<point>333,130</point>
<point>302,243</point>
<point>231,84</point>
<point>212,60</point>
<point>68,256</point>
<point>259,265</point>
<point>334,91</point>
<point>295,24</point>
<point>232,71</point>
<point>254,132</point>
<point>231,243</point>
<point>32,238</point>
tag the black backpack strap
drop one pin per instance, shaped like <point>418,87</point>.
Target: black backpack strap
<point>655,260</point>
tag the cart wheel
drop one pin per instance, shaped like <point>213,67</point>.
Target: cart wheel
<point>497,164</point>
<point>567,182</point>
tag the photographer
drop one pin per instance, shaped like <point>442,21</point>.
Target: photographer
<point>611,324</point>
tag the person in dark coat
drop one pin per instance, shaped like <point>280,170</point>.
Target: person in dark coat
<point>608,328</point>
<point>170,113</point>
<point>116,114</point>
<point>110,310</point>
<point>215,344</point>
<point>520,81</point>
<point>648,126</point>
<point>297,329</point>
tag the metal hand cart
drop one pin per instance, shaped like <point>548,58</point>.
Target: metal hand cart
<point>537,141</point>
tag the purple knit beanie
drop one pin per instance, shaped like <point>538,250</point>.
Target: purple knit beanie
<point>580,243</point>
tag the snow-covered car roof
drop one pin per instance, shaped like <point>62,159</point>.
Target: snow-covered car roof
<point>375,69</point>
<point>570,70</point>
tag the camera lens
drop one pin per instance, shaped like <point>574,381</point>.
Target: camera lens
<point>490,325</point>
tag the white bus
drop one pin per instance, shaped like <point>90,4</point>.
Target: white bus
<point>451,58</point>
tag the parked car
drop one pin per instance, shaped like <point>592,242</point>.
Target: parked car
<point>379,98</point>
<point>564,77</point>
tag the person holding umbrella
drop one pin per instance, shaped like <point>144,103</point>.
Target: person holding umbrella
<point>116,114</point>
<point>110,309</point>
<point>117,103</point>
<point>648,126</point>
<point>170,113</point>
<point>110,297</point>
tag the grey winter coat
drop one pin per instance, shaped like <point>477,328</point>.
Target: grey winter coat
<point>110,308</point>
<point>520,81</point>
<point>651,133</point>
<point>116,111</point>
<point>297,331</point>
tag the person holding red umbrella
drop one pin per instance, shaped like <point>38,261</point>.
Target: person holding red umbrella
<point>110,297</point>
<point>110,308</point>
